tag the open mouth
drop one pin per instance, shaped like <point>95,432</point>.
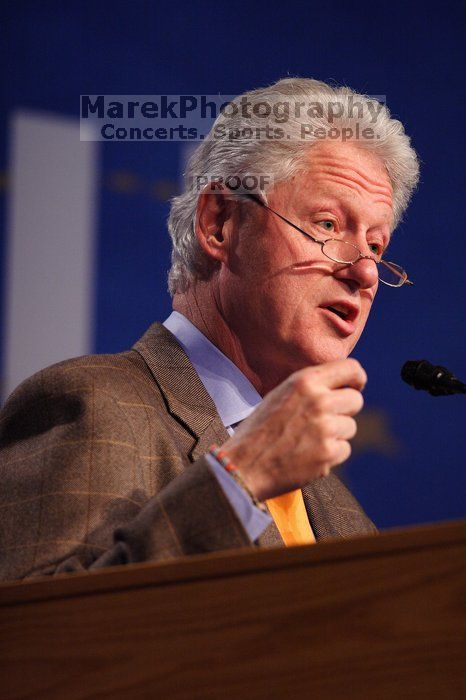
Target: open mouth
<point>342,313</point>
<point>346,313</point>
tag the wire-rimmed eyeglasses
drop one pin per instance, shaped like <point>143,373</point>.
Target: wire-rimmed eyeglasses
<point>347,253</point>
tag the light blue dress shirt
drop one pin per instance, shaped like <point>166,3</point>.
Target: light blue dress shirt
<point>234,397</point>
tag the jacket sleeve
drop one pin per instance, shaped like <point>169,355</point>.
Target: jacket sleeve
<point>86,485</point>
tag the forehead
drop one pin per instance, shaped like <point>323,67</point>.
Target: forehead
<point>349,172</point>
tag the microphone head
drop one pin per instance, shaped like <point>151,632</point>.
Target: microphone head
<point>408,371</point>
<point>421,374</point>
<point>437,380</point>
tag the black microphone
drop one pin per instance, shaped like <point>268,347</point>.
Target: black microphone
<point>438,381</point>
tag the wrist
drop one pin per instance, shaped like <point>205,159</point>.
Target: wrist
<point>224,458</point>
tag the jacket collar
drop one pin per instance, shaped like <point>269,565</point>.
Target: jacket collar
<point>186,397</point>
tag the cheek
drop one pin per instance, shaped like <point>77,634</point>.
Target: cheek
<point>265,273</point>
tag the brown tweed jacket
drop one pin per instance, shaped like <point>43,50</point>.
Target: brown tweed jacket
<point>101,463</point>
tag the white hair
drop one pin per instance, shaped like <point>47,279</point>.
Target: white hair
<point>233,154</point>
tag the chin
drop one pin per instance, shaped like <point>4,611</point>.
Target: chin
<point>331,356</point>
<point>309,357</point>
<point>335,349</point>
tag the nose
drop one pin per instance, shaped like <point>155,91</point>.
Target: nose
<point>363,273</point>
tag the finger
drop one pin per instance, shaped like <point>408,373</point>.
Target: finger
<point>344,427</point>
<point>345,401</point>
<point>339,374</point>
<point>342,452</point>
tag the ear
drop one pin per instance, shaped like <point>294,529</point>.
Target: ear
<point>213,221</point>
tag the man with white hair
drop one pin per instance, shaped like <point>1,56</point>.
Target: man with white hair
<point>219,429</point>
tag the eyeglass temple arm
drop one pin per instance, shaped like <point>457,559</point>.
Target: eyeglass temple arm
<point>259,201</point>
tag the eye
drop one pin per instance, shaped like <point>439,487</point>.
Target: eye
<point>377,249</point>
<point>327,224</point>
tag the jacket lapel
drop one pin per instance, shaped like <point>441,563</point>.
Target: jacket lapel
<point>185,395</point>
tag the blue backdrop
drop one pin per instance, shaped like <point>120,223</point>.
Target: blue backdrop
<point>410,466</point>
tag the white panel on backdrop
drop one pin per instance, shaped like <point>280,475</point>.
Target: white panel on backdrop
<point>50,245</point>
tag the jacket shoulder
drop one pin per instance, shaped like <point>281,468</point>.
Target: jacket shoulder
<point>62,393</point>
<point>114,371</point>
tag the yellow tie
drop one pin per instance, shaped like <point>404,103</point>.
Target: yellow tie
<point>289,514</point>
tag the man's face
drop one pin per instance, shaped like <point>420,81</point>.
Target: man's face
<point>277,287</point>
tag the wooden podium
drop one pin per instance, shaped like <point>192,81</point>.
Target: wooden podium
<point>378,617</point>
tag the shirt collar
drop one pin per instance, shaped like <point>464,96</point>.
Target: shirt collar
<point>232,393</point>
